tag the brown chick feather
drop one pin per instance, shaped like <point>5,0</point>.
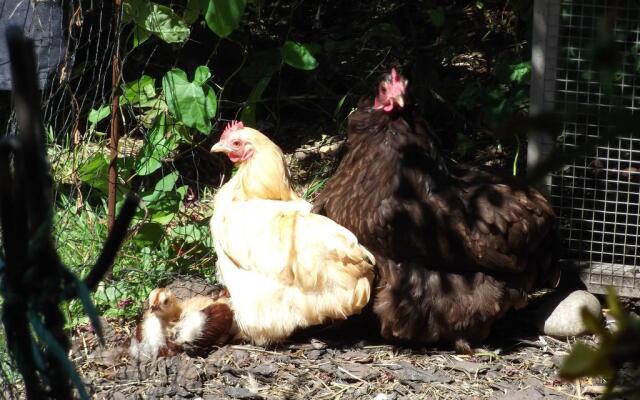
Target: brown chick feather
<point>194,325</point>
<point>456,248</point>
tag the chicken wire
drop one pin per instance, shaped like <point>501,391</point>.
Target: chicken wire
<point>597,196</point>
<point>81,83</point>
<point>74,86</point>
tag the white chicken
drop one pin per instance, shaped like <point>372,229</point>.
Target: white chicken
<point>284,267</point>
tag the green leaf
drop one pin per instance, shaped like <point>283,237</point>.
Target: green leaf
<point>149,234</point>
<point>191,233</point>
<point>223,16</point>
<point>592,322</point>
<point>140,35</point>
<point>339,106</point>
<point>210,104</point>
<point>192,103</point>
<point>519,73</point>
<point>163,186</point>
<point>98,115</point>
<point>583,361</point>
<point>140,93</point>
<point>157,19</point>
<point>298,56</point>
<point>54,347</point>
<point>193,9</point>
<point>202,75</point>
<point>615,308</point>
<point>384,32</point>
<point>161,141</point>
<point>94,172</point>
<point>248,115</point>
<point>163,202</point>
<point>436,15</point>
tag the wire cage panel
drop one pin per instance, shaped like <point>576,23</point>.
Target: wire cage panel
<point>597,196</point>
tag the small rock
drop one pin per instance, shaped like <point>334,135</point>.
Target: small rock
<point>119,396</point>
<point>265,370</point>
<point>558,359</point>
<point>171,390</point>
<point>240,356</point>
<point>241,393</point>
<point>409,373</point>
<point>187,372</point>
<point>183,393</point>
<point>359,371</point>
<point>194,386</point>
<point>384,396</point>
<point>315,354</point>
<point>189,286</point>
<point>559,313</point>
<point>318,344</point>
<point>469,367</point>
<point>527,394</point>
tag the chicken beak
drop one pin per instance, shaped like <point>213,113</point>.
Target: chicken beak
<point>400,101</point>
<point>220,148</point>
<point>155,308</point>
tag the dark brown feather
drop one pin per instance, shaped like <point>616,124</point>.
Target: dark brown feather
<point>217,329</point>
<point>455,247</point>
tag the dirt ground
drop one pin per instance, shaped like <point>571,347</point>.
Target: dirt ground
<point>515,363</point>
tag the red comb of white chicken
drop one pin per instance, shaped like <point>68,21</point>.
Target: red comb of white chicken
<point>231,126</point>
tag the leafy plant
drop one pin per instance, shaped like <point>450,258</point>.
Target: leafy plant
<point>615,348</point>
<point>192,103</point>
<point>298,56</point>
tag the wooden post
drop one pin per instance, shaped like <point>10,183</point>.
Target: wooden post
<point>115,123</point>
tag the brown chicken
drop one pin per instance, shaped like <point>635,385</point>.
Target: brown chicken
<point>455,248</point>
<point>285,268</point>
<point>193,325</point>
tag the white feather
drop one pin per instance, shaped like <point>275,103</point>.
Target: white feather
<point>190,327</point>
<point>152,339</point>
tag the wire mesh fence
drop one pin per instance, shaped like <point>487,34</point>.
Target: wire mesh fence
<point>598,196</point>
<point>160,155</point>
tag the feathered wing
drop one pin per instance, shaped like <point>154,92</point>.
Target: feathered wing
<point>501,226</point>
<point>455,248</point>
<point>204,323</point>
<point>300,268</point>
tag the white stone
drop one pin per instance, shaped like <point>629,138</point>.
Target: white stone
<point>559,313</point>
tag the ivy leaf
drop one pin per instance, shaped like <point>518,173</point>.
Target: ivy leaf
<point>298,56</point>
<point>584,361</point>
<point>159,144</point>
<point>193,233</point>
<point>519,72</point>
<point>436,15</point>
<point>98,115</point>
<point>192,103</point>
<point>248,115</point>
<point>193,9</point>
<point>94,172</point>
<point>202,75</point>
<point>157,19</point>
<point>140,93</point>
<point>140,35</point>
<point>223,16</point>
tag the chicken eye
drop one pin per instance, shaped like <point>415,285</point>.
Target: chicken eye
<point>165,301</point>
<point>235,143</point>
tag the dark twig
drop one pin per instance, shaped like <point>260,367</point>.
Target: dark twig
<point>35,281</point>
